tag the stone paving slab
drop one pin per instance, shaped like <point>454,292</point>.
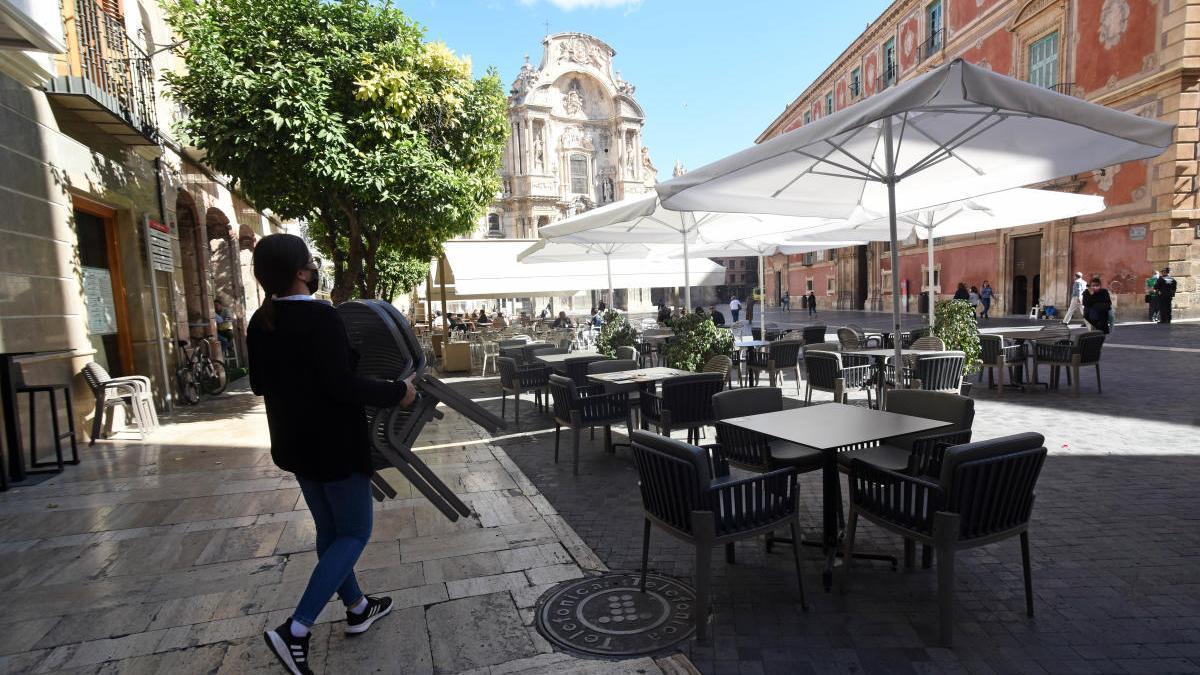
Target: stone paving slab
<point>174,554</point>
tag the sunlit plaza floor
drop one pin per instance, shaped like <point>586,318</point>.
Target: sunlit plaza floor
<point>173,554</point>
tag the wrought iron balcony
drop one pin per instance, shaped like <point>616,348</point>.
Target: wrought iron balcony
<point>105,79</point>
<point>932,44</point>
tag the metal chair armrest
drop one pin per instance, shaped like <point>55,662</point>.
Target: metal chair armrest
<point>927,451</point>
<point>898,498</point>
<point>753,502</point>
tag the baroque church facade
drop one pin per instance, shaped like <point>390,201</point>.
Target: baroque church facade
<point>575,139</point>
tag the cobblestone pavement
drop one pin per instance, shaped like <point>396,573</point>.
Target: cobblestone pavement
<point>172,556</point>
<point>1115,538</point>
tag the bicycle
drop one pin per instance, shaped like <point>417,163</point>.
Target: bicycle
<point>199,372</point>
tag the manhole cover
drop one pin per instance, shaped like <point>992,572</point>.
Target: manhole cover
<point>609,615</point>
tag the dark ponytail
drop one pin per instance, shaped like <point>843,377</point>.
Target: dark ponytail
<point>277,258</point>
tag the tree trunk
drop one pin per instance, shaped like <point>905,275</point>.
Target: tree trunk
<point>370,282</point>
<point>347,281</point>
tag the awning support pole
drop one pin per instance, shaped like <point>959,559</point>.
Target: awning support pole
<point>889,165</point>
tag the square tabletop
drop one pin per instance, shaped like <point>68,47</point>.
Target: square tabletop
<point>561,359</point>
<point>883,352</point>
<point>741,344</point>
<point>638,376</point>
<point>833,425</point>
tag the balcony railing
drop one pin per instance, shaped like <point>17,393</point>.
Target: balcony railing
<point>932,44</point>
<point>104,65</point>
<point>890,73</point>
<point>1067,88</point>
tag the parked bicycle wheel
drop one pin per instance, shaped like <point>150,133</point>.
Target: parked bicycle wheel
<point>214,379</point>
<point>189,388</point>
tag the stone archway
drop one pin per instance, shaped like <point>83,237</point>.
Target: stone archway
<point>225,272</point>
<point>193,258</point>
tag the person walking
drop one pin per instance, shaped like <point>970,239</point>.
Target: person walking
<point>786,300</point>
<point>302,365</point>
<point>1166,287</point>
<point>962,293</point>
<point>985,299</point>
<point>812,303</point>
<point>735,306</point>
<point>974,299</point>
<point>1077,288</point>
<point>664,314</point>
<point>1152,297</point>
<point>1097,304</point>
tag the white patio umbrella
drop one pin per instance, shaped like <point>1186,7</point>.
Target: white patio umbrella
<point>559,251</point>
<point>956,132</point>
<point>643,220</point>
<point>710,246</point>
<point>1010,208</point>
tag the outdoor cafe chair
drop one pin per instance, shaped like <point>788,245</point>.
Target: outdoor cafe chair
<point>515,379</point>
<point>576,408</point>
<point>998,359</point>
<point>627,353</point>
<point>867,340</point>
<point>683,402</point>
<point>928,343</point>
<point>576,367</point>
<point>983,493</point>
<point>688,492</point>
<point>529,350</point>
<point>1071,356</point>
<point>837,374</point>
<point>719,363</point>
<point>931,371</point>
<point>777,358</point>
<point>814,334</point>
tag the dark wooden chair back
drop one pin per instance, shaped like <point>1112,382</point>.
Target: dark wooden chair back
<point>813,334</point>
<point>674,478</point>
<point>823,368</point>
<point>940,371</point>
<point>740,447</point>
<point>689,398</point>
<point>1089,345</point>
<point>577,367</point>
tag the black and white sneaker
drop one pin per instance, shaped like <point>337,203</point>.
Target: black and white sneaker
<point>291,651</point>
<point>376,608</point>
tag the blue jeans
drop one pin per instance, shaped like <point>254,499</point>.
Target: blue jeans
<point>342,512</point>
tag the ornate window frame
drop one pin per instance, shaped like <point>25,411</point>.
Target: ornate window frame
<point>1036,20</point>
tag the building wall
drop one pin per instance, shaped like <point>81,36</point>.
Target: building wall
<point>1139,56</point>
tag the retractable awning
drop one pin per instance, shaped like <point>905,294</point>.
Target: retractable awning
<point>488,268</point>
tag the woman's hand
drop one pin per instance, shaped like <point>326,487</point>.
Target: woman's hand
<point>410,393</point>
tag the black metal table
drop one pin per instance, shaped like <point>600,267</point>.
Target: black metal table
<point>829,428</point>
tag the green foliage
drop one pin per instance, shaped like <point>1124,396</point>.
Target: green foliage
<point>398,274</point>
<point>615,332</point>
<point>955,324</point>
<point>696,340</point>
<point>338,112</point>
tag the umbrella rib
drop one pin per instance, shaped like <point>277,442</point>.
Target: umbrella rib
<point>847,154</point>
<point>900,138</point>
<point>842,175</point>
<point>946,149</point>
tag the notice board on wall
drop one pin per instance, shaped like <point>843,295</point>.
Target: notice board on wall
<point>98,300</point>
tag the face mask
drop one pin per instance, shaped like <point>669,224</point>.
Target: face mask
<point>314,283</point>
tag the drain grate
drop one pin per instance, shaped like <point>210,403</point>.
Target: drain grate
<point>609,615</point>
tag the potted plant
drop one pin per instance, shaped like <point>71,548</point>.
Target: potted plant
<point>955,324</point>
<point>696,340</point>
<point>615,332</point>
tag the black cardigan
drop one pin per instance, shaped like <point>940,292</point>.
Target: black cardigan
<point>304,369</point>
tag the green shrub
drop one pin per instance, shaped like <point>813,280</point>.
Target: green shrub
<point>955,324</point>
<point>615,332</point>
<point>696,340</point>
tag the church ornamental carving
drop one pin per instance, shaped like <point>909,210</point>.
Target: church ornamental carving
<point>578,49</point>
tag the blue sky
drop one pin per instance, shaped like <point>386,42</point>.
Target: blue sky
<point>710,75</point>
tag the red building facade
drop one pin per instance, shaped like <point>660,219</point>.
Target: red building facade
<point>1140,56</point>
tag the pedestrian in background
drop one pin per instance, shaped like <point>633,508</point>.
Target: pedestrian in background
<point>1152,296</point>
<point>962,293</point>
<point>974,299</point>
<point>812,303</point>
<point>735,306</point>
<point>1077,288</point>
<point>1097,304</point>
<point>716,316</point>
<point>787,302</point>
<point>985,298</point>
<point>302,365</point>
<point>1166,294</point>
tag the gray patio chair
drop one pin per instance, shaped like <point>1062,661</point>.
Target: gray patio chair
<point>576,409</point>
<point>776,359</point>
<point>814,334</point>
<point>131,392</point>
<point>515,379</point>
<point>627,352</point>
<point>998,359</point>
<point>720,363</point>
<point>984,493</point>
<point>1071,356</point>
<point>837,374</point>
<point>688,492</point>
<point>577,367</point>
<point>684,402</point>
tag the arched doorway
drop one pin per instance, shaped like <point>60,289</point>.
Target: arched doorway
<point>196,314</point>
<point>225,272</point>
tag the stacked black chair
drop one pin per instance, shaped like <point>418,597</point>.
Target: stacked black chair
<point>387,348</point>
<point>687,491</point>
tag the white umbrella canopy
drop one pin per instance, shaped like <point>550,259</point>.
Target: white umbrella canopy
<point>643,220</point>
<point>998,210</point>
<point>956,132</point>
<point>560,251</point>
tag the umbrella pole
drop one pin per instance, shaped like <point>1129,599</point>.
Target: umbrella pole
<point>445,312</point>
<point>762,303</point>
<point>931,295</point>
<point>687,277</point>
<point>612,303</point>
<point>889,160</point>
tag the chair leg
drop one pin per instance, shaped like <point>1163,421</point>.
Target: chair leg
<point>58,451</point>
<point>517,408</point>
<point>645,551</point>
<point>807,394</point>
<point>703,581</point>
<point>945,573</point>
<point>503,402</point>
<point>797,542</point>
<point>1099,390</point>
<point>71,425</point>
<point>32,428</point>
<point>1028,573</point>
<point>576,433</point>
<point>848,555</point>
<point>730,556</point>
<point>1075,381</point>
<point>910,553</point>
<point>608,444</point>
<point>557,435</point>
<point>97,420</point>
<point>926,556</point>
